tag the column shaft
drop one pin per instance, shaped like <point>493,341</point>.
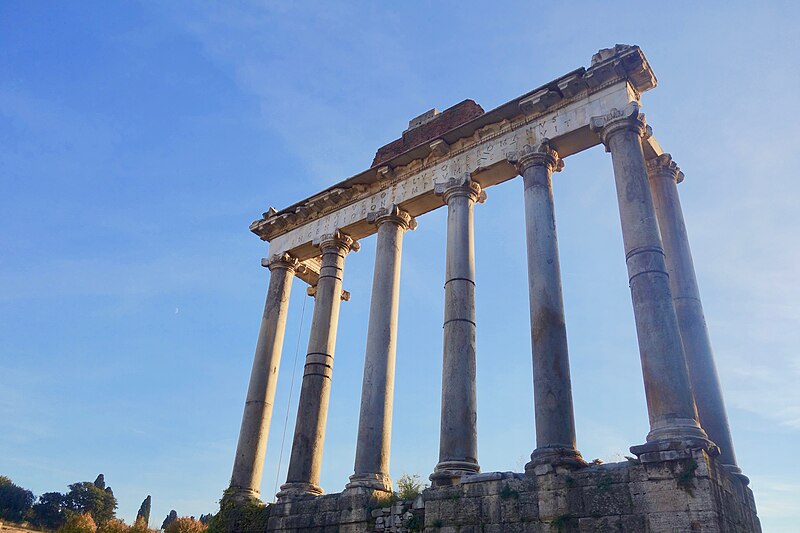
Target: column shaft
<point>249,462</point>
<point>673,416</point>
<point>458,440</point>
<point>552,389</point>
<point>305,462</point>
<point>664,177</point>
<point>377,391</point>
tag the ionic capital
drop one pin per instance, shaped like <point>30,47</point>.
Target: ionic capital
<point>460,186</point>
<point>627,119</point>
<point>540,154</point>
<point>394,215</point>
<point>663,165</point>
<point>284,260</point>
<point>312,291</point>
<point>338,240</point>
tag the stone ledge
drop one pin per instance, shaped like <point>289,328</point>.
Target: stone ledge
<point>694,493</point>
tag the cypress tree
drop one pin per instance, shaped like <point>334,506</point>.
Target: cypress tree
<point>171,517</point>
<point>144,511</point>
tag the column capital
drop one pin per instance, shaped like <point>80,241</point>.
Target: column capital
<point>283,260</point>
<point>393,214</point>
<point>539,154</point>
<point>312,291</point>
<point>460,186</point>
<point>616,120</point>
<point>337,239</point>
<point>664,165</point>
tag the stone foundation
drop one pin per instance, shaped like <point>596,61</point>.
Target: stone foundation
<point>686,495</point>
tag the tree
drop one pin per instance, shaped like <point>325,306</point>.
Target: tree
<point>14,501</point>
<point>140,526</point>
<point>100,482</point>
<point>115,525</point>
<point>186,524</point>
<point>144,511</point>
<point>79,523</point>
<point>86,497</point>
<point>49,511</point>
<point>171,517</point>
<point>206,518</point>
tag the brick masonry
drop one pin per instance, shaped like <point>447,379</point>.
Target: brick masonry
<point>445,121</point>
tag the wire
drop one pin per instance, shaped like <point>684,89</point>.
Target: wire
<point>289,402</point>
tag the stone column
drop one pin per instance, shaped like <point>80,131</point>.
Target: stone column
<point>248,465</point>
<point>670,405</point>
<point>312,412</point>
<point>377,391</point>
<point>552,389</point>
<point>458,440</point>
<point>664,178</point>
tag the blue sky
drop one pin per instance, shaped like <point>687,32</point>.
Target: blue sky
<point>139,139</point>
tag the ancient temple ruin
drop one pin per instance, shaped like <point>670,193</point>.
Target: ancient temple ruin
<point>684,477</point>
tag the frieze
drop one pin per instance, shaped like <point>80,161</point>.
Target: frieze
<point>561,112</point>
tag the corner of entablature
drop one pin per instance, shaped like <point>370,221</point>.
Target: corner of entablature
<point>625,61</point>
<point>617,119</point>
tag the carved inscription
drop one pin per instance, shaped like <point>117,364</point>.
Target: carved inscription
<point>489,146</point>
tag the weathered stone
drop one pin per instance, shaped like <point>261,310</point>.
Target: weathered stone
<point>609,497</point>
<point>676,484</point>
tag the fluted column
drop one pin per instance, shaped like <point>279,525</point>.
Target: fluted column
<point>377,390</point>
<point>312,412</point>
<point>458,440</point>
<point>248,465</point>
<point>664,178</point>
<point>670,405</point>
<point>552,389</point>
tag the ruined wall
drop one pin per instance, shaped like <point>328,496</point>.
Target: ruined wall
<point>687,495</point>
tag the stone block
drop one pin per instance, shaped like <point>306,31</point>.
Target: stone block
<point>634,523</point>
<point>602,500</point>
<point>552,503</point>
<point>509,509</point>
<point>606,524</point>
<point>490,509</point>
<point>468,511</point>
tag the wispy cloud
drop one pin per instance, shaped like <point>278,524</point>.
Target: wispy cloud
<point>326,130</point>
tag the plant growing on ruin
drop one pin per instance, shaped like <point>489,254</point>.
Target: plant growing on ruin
<point>507,492</point>
<point>685,478</point>
<point>409,487</point>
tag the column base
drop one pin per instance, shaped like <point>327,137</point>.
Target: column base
<point>370,482</point>
<point>449,473</point>
<point>242,495</point>
<point>555,456</point>
<point>673,449</point>
<point>676,429</point>
<point>736,472</point>
<point>295,490</point>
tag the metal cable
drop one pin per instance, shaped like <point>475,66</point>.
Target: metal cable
<point>289,402</point>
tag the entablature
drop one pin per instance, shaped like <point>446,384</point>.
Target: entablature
<point>484,147</point>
